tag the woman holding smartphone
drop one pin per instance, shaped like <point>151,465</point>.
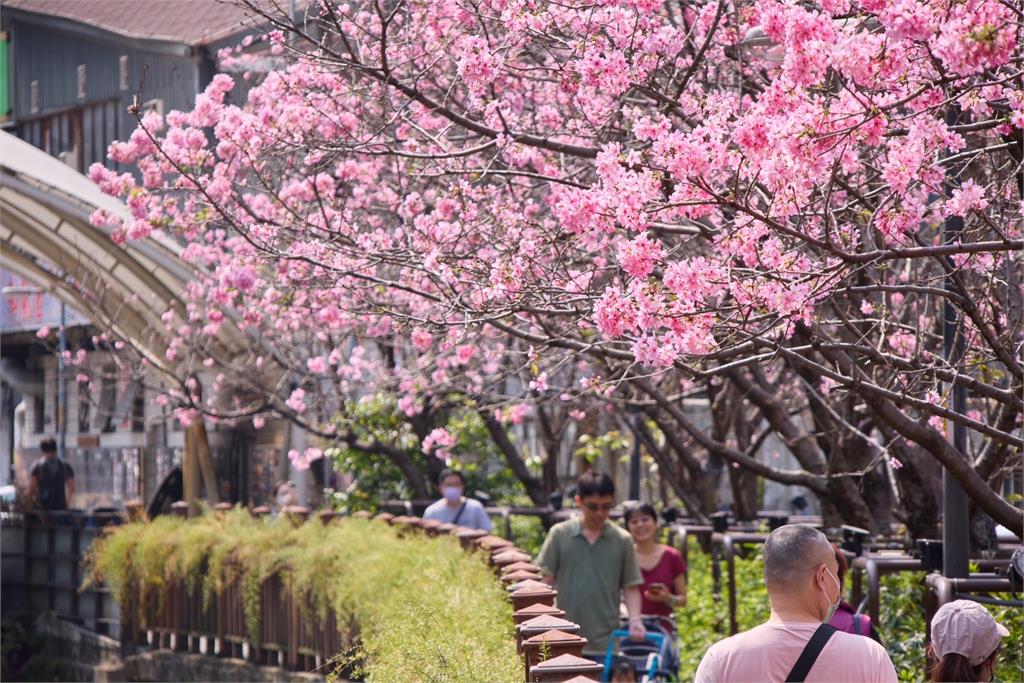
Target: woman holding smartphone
<point>662,567</point>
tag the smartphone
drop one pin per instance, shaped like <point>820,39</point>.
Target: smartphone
<point>658,586</point>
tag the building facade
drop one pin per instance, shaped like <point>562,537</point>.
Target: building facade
<point>75,66</point>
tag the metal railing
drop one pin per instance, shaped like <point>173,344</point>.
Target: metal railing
<point>501,514</point>
<point>43,556</point>
<point>289,634</point>
<point>724,546</point>
<point>941,589</point>
<point>875,567</point>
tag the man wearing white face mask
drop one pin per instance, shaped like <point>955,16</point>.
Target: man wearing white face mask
<point>796,643</point>
<point>455,508</point>
<point>285,495</point>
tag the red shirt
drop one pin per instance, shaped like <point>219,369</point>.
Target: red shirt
<point>668,568</point>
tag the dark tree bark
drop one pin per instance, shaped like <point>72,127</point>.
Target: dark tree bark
<point>534,488</point>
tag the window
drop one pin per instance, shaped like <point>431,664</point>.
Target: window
<point>38,414</point>
<point>139,410</point>
<point>125,77</point>
<point>81,81</point>
<point>107,407</point>
<point>84,407</point>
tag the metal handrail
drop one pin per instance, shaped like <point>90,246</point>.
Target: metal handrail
<point>728,542</point>
<point>876,566</point>
<point>943,589</point>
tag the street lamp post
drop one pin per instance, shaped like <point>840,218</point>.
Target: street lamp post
<point>955,506</point>
<point>62,386</point>
<point>634,456</point>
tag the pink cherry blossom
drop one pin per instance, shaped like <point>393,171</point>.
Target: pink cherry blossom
<point>295,401</point>
<point>439,439</point>
<point>508,197</point>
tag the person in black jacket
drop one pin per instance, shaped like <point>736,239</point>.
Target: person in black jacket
<point>52,481</point>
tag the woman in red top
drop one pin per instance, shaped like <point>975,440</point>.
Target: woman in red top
<point>662,567</point>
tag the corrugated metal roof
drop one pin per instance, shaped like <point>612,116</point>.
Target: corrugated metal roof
<point>192,22</point>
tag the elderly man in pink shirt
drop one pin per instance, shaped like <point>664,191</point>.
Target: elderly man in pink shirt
<point>796,643</point>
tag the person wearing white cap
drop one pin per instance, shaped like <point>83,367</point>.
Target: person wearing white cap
<point>965,642</point>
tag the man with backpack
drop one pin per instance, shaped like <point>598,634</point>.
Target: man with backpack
<point>797,643</point>
<point>52,481</point>
<point>847,618</point>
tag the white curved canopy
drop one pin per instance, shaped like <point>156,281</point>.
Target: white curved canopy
<point>46,237</point>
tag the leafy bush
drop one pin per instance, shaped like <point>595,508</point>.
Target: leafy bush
<point>426,611</point>
<point>901,622</point>
<point>705,619</point>
<point>902,628</point>
<point>528,533</point>
<point>377,418</point>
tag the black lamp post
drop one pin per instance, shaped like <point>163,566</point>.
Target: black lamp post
<point>634,456</point>
<point>955,515</point>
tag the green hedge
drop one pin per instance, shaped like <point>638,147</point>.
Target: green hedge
<point>426,610</point>
<point>705,619</point>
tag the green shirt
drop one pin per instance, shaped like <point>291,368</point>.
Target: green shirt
<point>590,577</point>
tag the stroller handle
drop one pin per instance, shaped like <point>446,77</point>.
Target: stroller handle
<point>649,637</point>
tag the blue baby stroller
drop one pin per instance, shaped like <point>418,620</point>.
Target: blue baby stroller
<point>651,660</point>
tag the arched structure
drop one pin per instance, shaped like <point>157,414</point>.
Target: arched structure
<point>46,237</point>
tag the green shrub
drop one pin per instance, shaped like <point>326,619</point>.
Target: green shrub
<point>705,619</point>
<point>528,533</point>
<point>901,612</point>
<point>426,611</point>
<point>901,622</point>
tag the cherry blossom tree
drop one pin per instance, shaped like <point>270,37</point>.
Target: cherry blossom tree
<point>808,214</point>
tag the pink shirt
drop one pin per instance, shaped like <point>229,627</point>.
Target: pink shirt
<point>767,653</point>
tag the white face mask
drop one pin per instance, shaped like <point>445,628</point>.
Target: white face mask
<point>285,497</point>
<point>833,606</point>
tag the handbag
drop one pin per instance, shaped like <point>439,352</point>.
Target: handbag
<point>458,514</point>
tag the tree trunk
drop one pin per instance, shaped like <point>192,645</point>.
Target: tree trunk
<point>550,434</point>
<point>669,474</point>
<point>918,502</point>
<point>534,489</point>
<point>742,483</point>
<point>878,496</point>
<point>690,476</point>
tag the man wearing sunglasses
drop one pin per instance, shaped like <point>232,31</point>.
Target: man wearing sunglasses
<point>592,562</point>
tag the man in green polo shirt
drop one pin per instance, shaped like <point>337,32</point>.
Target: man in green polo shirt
<point>592,561</point>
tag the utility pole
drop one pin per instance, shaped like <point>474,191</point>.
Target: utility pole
<point>956,538</point>
<point>634,456</point>
<point>62,386</point>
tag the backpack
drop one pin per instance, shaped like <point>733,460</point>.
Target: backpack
<point>862,627</point>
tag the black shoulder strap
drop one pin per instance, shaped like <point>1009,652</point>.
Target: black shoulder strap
<point>459,513</point>
<point>810,654</point>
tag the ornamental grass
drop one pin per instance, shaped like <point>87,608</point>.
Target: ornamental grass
<point>425,610</point>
